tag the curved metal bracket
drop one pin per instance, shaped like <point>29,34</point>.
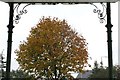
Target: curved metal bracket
<point>101,13</point>
<point>19,13</point>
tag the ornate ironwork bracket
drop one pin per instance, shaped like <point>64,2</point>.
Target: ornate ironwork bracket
<point>19,13</point>
<point>101,13</point>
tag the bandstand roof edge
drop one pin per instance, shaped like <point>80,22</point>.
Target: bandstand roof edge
<point>58,1</point>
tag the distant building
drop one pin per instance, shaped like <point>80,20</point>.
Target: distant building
<point>86,74</point>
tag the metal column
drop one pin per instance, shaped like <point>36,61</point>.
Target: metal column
<point>109,37</point>
<point>9,43</point>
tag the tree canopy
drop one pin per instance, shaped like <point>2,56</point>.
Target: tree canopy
<point>52,49</point>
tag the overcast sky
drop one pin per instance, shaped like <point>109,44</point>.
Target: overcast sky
<point>80,17</point>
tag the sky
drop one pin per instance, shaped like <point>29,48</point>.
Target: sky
<point>81,18</point>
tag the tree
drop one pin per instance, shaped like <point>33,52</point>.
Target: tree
<point>99,71</point>
<point>19,74</point>
<point>52,50</point>
<point>116,70</point>
<point>102,72</point>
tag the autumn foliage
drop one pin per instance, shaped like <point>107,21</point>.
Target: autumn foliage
<point>52,50</point>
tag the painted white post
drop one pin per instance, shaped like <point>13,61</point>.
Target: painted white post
<point>118,33</point>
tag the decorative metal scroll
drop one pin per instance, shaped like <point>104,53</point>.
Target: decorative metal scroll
<point>19,13</point>
<point>101,13</point>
